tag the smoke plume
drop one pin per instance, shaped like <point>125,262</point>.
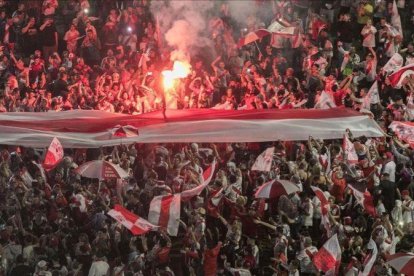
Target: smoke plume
<point>183,25</point>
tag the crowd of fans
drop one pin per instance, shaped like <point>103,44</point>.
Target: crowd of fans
<point>108,55</point>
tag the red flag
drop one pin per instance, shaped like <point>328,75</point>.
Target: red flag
<point>317,26</point>
<point>365,200</point>
<point>134,223</point>
<point>397,77</point>
<point>329,255</point>
<point>207,176</point>
<point>264,160</point>
<point>54,155</point>
<point>349,150</point>
<point>165,212</point>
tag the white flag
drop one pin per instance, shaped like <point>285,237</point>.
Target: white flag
<point>372,97</point>
<point>325,101</point>
<point>349,150</point>
<point>371,258</point>
<point>396,19</point>
<point>264,160</point>
<point>394,63</point>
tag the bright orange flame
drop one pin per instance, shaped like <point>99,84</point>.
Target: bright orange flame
<point>180,70</point>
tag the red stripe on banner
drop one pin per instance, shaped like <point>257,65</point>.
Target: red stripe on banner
<point>98,121</point>
<point>165,210</point>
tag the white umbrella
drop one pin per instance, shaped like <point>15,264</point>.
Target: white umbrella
<point>101,170</point>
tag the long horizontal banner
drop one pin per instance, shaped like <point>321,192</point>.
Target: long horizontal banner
<point>91,129</point>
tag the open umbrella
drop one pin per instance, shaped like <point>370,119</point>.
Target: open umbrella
<point>101,170</point>
<point>402,262</point>
<point>276,188</point>
<point>124,131</point>
<point>252,37</point>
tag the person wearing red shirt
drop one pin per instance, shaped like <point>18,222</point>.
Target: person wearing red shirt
<point>210,260</point>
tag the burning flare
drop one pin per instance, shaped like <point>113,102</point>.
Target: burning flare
<point>180,70</point>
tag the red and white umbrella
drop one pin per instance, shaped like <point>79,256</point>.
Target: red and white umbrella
<point>276,188</point>
<point>101,169</point>
<point>252,37</point>
<point>124,131</point>
<point>402,262</point>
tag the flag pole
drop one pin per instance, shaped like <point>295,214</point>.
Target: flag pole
<point>258,48</point>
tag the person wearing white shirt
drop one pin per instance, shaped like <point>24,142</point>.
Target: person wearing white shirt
<point>368,33</point>
<point>99,267</point>
<point>390,166</point>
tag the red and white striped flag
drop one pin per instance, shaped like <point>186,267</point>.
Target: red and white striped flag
<point>370,259</point>
<point>349,150</point>
<point>328,257</point>
<point>264,160</point>
<point>132,222</point>
<point>54,155</point>
<point>398,77</point>
<point>165,212</point>
<point>324,208</point>
<point>207,176</point>
<point>365,200</point>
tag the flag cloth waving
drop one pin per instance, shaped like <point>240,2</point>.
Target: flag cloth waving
<point>324,208</point>
<point>54,155</point>
<point>370,259</point>
<point>329,255</point>
<point>365,200</point>
<point>207,176</point>
<point>165,212</point>
<point>372,97</point>
<point>349,150</point>
<point>398,77</point>
<point>264,160</point>
<point>132,222</point>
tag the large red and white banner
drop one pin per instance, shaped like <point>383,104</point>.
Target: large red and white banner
<point>92,129</point>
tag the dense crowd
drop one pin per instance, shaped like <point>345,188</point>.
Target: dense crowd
<point>109,55</point>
